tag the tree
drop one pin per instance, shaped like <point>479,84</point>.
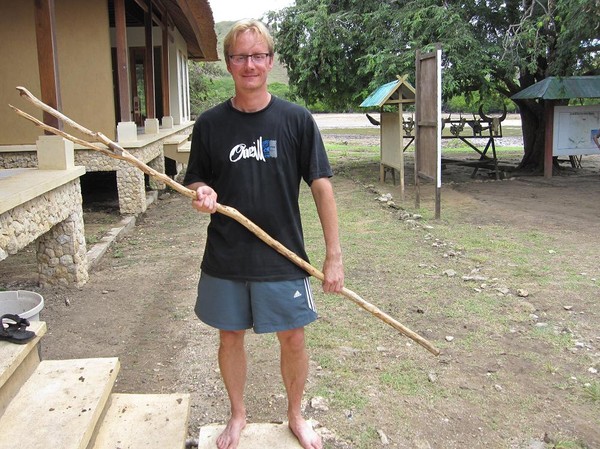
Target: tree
<point>319,43</point>
<point>205,92</point>
<point>339,50</point>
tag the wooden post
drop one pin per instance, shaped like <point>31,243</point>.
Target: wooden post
<point>401,141</point>
<point>45,31</point>
<point>122,66</point>
<point>166,98</point>
<point>417,123</point>
<point>149,65</point>
<point>548,137</point>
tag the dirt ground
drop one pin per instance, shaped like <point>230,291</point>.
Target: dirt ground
<point>500,382</point>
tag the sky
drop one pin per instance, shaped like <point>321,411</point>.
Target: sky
<point>244,9</point>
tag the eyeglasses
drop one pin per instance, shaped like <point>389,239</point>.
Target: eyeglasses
<point>257,58</point>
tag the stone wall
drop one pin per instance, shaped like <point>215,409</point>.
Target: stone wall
<point>55,221</point>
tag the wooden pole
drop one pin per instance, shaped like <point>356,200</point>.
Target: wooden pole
<point>45,31</point>
<point>116,151</point>
<point>548,137</point>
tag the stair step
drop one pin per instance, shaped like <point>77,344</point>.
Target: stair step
<point>185,147</point>
<point>17,362</point>
<point>177,148</point>
<point>59,405</point>
<point>176,139</point>
<point>11,354</point>
<point>135,421</point>
<point>254,436</point>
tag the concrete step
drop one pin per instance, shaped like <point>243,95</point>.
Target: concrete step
<point>179,156</point>
<point>136,421</point>
<point>176,139</point>
<point>11,354</point>
<point>177,147</point>
<point>17,362</point>
<point>254,436</point>
<point>59,405</point>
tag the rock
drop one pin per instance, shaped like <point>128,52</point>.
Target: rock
<point>526,307</point>
<point>536,444</point>
<point>319,403</point>
<point>385,198</point>
<point>327,434</point>
<point>432,377</point>
<point>450,273</point>
<point>522,293</point>
<point>421,444</point>
<point>383,437</point>
<point>474,278</point>
<point>449,338</point>
<point>568,307</point>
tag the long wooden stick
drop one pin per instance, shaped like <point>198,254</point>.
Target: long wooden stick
<point>116,151</point>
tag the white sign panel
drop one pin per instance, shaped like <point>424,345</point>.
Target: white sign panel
<point>576,130</point>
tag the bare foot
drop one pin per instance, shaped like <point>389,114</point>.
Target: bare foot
<point>230,437</point>
<point>307,437</point>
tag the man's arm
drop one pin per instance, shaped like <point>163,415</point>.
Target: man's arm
<point>333,268</point>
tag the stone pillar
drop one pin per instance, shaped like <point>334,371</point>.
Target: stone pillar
<point>151,126</point>
<point>132,190</point>
<point>158,164</point>
<point>62,254</point>
<point>55,153</point>
<point>126,132</point>
<point>167,122</point>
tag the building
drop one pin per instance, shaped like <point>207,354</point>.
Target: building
<point>118,67</point>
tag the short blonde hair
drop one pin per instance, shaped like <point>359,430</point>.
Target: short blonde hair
<point>255,26</point>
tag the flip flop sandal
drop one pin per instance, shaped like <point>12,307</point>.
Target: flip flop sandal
<point>15,332</point>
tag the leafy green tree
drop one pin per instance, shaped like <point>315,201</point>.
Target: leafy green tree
<point>208,86</point>
<point>337,51</point>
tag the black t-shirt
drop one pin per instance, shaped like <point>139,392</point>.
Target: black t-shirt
<point>255,162</point>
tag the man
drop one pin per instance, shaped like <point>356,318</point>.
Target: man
<point>253,151</point>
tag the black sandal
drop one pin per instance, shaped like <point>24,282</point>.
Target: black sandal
<point>15,332</point>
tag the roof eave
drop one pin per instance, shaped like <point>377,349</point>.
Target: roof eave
<point>200,19</point>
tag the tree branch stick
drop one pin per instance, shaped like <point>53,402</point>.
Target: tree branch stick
<point>114,150</point>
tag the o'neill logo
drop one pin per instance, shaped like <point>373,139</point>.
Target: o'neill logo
<point>260,150</point>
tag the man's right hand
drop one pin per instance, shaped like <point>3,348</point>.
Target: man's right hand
<point>206,200</point>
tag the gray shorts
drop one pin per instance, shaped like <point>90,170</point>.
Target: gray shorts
<point>264,306</point>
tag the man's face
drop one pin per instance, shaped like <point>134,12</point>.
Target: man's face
<point>249,75</point>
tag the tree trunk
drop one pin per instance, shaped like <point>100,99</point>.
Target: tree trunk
<point>533,125</point>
